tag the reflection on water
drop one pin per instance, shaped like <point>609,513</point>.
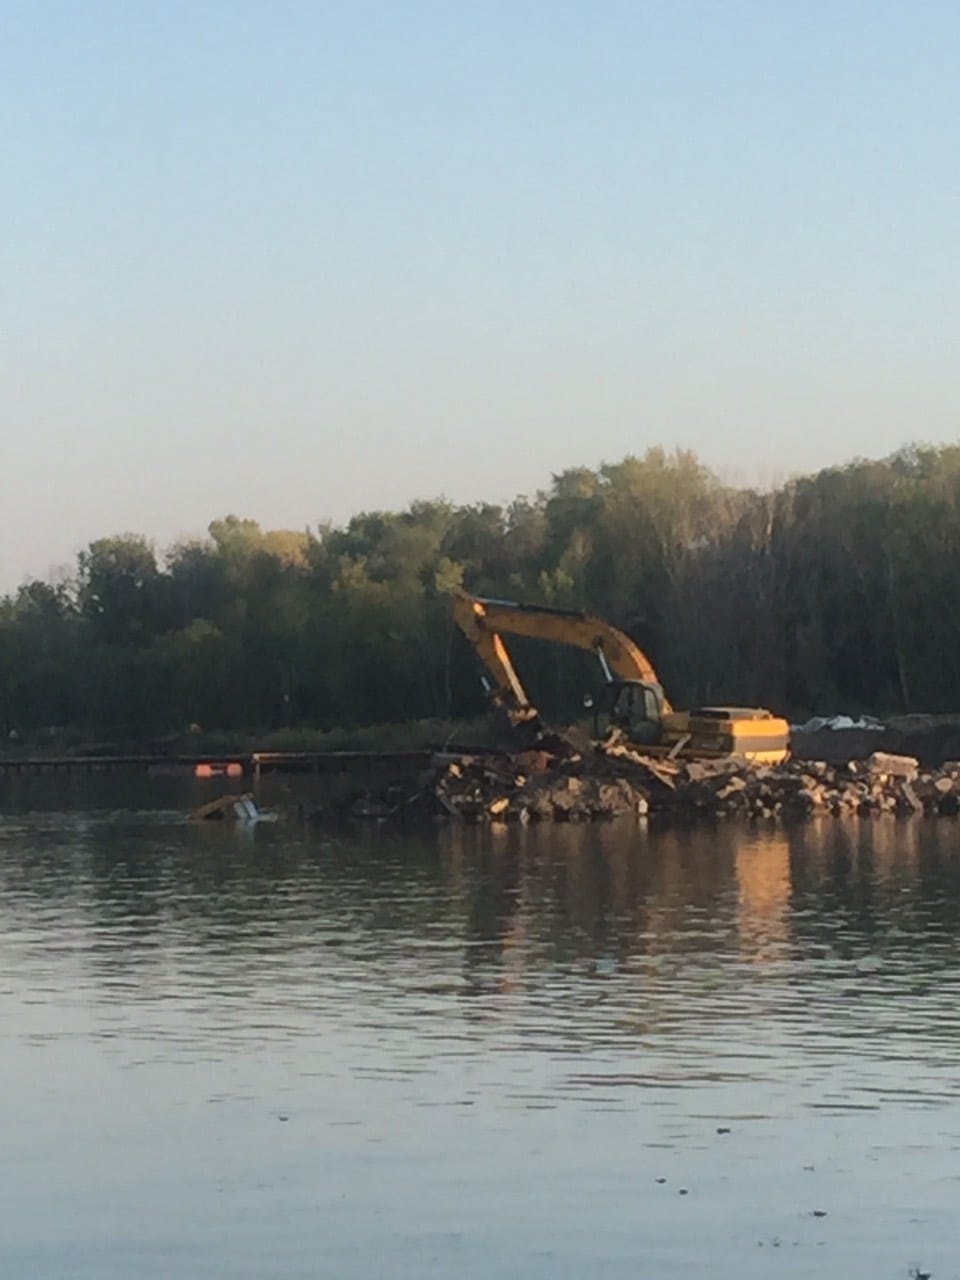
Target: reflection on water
<point>294,1053</point>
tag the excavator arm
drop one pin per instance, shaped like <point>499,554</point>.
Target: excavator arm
<point>483,621</point>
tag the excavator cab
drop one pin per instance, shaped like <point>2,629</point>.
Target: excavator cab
<point>634,707</point>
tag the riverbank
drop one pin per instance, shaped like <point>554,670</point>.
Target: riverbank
<point>933,738</point>
<point>429,734</point>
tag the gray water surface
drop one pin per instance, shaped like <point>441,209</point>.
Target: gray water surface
<point>558,1052</point>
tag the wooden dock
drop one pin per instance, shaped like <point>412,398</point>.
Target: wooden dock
<point>253,764</point>
<point>336,761</point>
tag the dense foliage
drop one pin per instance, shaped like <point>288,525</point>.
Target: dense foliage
<point>837,591</point>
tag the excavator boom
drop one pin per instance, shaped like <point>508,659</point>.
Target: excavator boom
<point>482,621</point>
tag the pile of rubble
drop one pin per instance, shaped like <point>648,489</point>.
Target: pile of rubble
<point>616,779</point>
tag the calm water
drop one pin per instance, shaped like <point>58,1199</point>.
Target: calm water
<point>555,1052</point>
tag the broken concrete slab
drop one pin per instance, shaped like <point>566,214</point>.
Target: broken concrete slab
<point>888,765</point>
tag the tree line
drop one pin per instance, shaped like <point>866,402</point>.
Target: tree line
<point>835,591</point>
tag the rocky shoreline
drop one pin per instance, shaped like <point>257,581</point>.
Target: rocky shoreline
<point>614,779</point>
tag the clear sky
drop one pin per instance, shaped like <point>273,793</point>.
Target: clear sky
<point>296,259</point>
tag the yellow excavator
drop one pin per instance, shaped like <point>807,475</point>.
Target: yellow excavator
<point>632,701</point>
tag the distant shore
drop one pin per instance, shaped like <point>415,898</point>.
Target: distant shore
<point>932,738</point>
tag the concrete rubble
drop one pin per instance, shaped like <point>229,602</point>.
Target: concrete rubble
<point>615,779</point>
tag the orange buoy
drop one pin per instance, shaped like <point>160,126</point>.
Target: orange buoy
<point>219,769</point>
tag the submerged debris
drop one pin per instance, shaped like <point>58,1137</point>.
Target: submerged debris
<point>232,808</point>
<point>614,779</point>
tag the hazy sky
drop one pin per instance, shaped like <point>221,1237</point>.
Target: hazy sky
<point>300,259</point>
